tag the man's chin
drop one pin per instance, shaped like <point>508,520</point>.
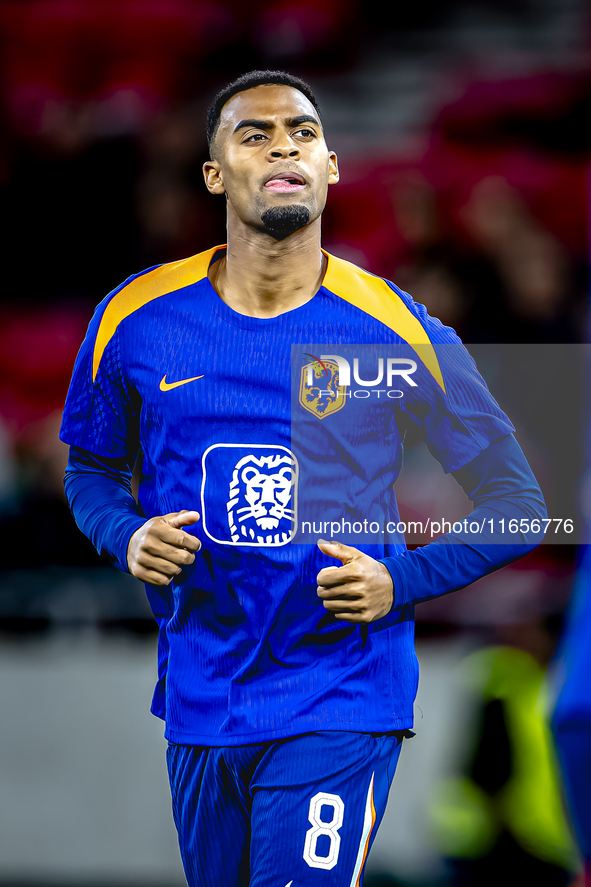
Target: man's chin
<point>281,221</point>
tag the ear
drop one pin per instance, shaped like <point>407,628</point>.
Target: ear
<point>212,174</point>
<point>333,168</point>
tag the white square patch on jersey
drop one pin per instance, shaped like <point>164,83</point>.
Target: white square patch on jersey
<point>249,494</point>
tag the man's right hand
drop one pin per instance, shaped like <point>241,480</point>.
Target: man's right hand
<point>159,550</point>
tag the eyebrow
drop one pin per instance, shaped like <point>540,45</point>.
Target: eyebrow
<point>265,124</point>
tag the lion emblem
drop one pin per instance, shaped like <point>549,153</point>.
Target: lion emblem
<point>260,499</point>
<point>320,391</point>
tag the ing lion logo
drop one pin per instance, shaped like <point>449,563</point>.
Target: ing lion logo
<point>260,501</point>
<point>325,395</point>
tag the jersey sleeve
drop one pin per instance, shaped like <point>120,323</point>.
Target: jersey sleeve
<point>457,415</point>
<point>99,494</point>
<point>100,413</point>
<point>500,484</point>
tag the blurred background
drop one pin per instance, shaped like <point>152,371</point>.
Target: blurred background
<point>464,137</point>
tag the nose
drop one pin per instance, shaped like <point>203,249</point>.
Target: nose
<point>283,147</point>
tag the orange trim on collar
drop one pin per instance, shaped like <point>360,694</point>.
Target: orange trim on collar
<point>365,291</point>
<point>373,295</point>
<point>159,282</point>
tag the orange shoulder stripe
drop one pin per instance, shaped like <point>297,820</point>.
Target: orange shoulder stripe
<point>156,283</point>
<point>373,295</point>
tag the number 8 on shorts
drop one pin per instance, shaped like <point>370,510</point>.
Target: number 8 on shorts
<point>324,827</point>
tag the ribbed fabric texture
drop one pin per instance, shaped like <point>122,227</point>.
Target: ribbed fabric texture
<point>501,485</point>
<point>247,652</point>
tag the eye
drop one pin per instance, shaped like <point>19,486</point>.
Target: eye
<point>306,133</point>
<point>255,137</point>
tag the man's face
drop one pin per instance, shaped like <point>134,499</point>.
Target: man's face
<point>269,152</point>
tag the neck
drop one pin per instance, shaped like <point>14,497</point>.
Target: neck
<point>264,277</point>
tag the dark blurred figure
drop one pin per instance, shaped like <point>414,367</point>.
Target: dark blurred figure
<point>37,351</point>
<point>69,213</point>
<point>176,215</point>
<point>521,279</point>
<point>430,264</point>
<point>571,722</point>
<point>514,283</point>
<point>501,821</point>
<point>497,242</point>
<point>321,36</point>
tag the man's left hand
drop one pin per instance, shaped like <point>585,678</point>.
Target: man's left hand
<point>359,591</point>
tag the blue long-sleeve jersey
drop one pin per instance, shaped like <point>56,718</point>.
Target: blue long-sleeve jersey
<point>247,652</point>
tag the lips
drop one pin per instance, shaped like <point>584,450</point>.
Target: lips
<point>285,182</point>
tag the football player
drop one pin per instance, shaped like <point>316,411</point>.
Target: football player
<point>287,671</point>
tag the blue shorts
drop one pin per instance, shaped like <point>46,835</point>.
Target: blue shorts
<point>301,811</point>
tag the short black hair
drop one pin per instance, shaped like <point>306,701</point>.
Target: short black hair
<point>249,81</point>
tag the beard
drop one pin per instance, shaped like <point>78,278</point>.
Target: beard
<point>281,221</point>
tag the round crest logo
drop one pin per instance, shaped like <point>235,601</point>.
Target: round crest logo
<point>320,392</point>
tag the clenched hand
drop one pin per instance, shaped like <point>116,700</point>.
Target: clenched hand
<point>159,550</point>
<point>359,591</point>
